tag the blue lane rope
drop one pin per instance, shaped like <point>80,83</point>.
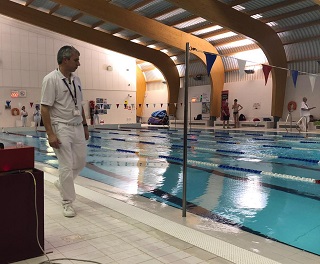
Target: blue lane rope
<point>221,166</point>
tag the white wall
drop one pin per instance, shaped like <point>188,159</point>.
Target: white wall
<point>303,89</point>
<point>156,94</point>
<point>28,53</point>
<point>248,94</point>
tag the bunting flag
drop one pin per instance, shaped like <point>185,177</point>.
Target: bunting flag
<point>266,70</point>
<point>175,104</point>
<point>139,105</point>
<point>154,105</point>
<point>210,58</point>
<point>161,105</point>
<point>294,74</point>
<point>109,106</point>
<point>181,104</point>
<point>132,105</point>
<point>312,79</point>
<point>117,105</point>
<point>147,105</point>
<point>241,64</point>
<point>125,106</point>
<point>31,104</point>
<point>168,104</point>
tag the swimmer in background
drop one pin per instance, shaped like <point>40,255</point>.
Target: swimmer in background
<point>236,109</point>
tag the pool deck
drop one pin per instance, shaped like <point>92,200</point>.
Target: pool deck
<point>112,227</point>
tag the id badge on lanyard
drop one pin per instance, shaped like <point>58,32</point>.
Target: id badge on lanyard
<point>76,111</point>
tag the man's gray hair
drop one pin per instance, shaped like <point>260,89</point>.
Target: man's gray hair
<point>66,52</point>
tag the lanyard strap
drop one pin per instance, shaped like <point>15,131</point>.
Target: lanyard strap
<point>74,97</point>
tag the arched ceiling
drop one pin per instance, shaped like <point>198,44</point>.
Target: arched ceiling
<point>297,23</point>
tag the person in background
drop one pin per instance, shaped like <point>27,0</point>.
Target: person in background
<point>96,115</point>
<point>65,123</point>
<point>225,113</point>
<point>236,108</point>
<point>305,114</point>
<point>24,115</point>
<point>37,117</point>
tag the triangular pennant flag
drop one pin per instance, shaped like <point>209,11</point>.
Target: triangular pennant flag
<point>117,105</point>
<point>175,104</point>
<point>168,104</point>
<point>181,104</point>
<point>294,74</point>
<point>266,70</point>
<point>312,79</point>
<point>31,104</point>
<point>161,105</point>
<point>139,105</point>
<point>210,58</point>
<point>125,106</point>
<point>147,105</point>
<point>242,64</point>
<point>109,106</point>
<point>154,105</point>
<point>132,105</point>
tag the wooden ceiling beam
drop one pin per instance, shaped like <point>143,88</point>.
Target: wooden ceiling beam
<point>157,31</point>
<point>267,39</point>
<point>98,38</point>
<point>238,2</point>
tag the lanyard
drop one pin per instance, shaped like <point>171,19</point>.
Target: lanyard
<point>74,97</point>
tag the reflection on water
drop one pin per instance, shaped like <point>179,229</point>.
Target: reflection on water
<point>234,197</point>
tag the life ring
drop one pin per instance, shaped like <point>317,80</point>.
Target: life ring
<point>15,111</point>
<point>292,105</point>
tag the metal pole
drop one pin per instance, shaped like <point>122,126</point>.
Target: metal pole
<point>190,117</point>
<point>185,128</point>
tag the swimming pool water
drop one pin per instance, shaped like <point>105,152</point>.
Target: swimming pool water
<point>280,204</point>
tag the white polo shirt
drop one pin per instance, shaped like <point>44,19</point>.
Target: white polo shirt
<point>56,94</point>
<point>304,112</point>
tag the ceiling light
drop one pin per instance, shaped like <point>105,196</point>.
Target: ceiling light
<point>256,16</point>
<point>238,7</point>
<point>135,40</point>
<point>164,51</point>
<point>151,46</point>
<point>272,24</point>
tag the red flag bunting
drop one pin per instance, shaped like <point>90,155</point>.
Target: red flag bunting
<point>266,70</point>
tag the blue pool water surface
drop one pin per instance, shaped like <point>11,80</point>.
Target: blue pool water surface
<point>264,183</point>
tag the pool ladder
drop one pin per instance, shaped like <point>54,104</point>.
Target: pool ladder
<point>297,123</point>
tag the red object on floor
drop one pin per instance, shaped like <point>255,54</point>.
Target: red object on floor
<point>16,158</point>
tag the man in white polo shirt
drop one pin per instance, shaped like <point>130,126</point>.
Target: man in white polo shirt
<point>65,123</point>
<point>305,114</point>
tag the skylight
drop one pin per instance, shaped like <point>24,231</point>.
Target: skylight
<point>206,30</point>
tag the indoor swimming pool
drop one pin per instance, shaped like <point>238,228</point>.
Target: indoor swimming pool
<point>266,183</point>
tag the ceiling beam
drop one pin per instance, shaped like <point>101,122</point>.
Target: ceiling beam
<point>266,38</point>
<point>157,31</point>
<point>98,38</point>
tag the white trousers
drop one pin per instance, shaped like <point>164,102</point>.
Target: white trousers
<point>71,156</point>
<point>96,119</point>
<point>37,121</point>
<point>304,122</point>
<point>24,121</point>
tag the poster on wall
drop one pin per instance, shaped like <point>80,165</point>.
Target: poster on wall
<point>205,98</point>
<point>102,105</point>
<point>205,108</point>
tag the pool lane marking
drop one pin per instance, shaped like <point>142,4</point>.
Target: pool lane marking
<point>219,150</point>
<point>198,148</point>
<point>221,166</point>
<point>272,174</point>
<point>228,142</point>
